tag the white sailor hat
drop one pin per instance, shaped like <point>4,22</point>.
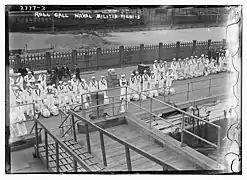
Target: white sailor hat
<point>123,75</point>
<point>174,59</point>
<point>53,85</point>
<point>179,59</point>
<point>187,58</point>
<point>202,55</point>
<point>29,72</point>
<point>132,74</point>
<point>74,76</point>
<point>152,72</point>
<point>195,56</point>
<point>191,56</point>
<point>64,83</point>
<point>60,82</point>
<point>213,60</point>
<point>93,77</point>
<point>82,80</point>
<point>18,74</point>
<point>69,81</point>
<point>165,62</point>
<point>137,72</point>
<point>155,61</point>
<point>145,70</point>
<point>102,76</point>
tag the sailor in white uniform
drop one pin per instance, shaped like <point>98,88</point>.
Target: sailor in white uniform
<point>161,83</point>
<point>180,69</point>
<point>75,83</point>
<point>161,67</point>
<point>206,67</point>
<point>42,79</point>
<point>133,88</point>
<point>55,93</point>
<point>50,102</point>
<point>29,78</point>
<point>156,68</point>
<point>83,89</point>
<point>186,68</point>
<point>103,87</point>
<point>145,83</point>
<point>38,97</point>
<point>138,81</point>
<point>19,81</point>
<point>173,65</point>
<point>123,84</point>
<point>93,85</point>
<point>169,79</point>
<point>71,94</point>
<point>60,90</point>
<point>66,92</point>
<point>29,98</point>
<point>153,91</point>
<point>213,67</point>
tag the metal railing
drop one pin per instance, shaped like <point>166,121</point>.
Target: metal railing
<point>183,130</point>
<point>127,145</point>
<point>76,158</point>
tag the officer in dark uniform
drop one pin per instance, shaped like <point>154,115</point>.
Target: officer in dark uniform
<point>77,72</point>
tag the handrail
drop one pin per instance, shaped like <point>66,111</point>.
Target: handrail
<point>186,113</point>
<point>123,142</point>
<point>176,126</point>
<point>76,158</point>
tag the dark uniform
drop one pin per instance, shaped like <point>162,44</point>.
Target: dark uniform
<point>77,73</point>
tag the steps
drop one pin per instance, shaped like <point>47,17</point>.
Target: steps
<point>115,152</point>
<point>65,160</point>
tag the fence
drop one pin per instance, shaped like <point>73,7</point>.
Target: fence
<point>95,59</point>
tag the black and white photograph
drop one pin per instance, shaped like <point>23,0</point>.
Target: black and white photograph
<point>123,89</point>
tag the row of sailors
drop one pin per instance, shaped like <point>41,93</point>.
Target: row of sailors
<point>66,94</point>
<point>144,86</point>
<point>29,79</point>
<point>191,67</point>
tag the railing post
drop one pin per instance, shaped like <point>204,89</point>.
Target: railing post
<point>128,160</point>
<point>182,130</point>
<point>48,60</point>
<point>73,126</point>
<point>46,151</point>
<point>37,138</point>
<point>121,53</point>
<point>74,57</point>
<point>74,165</point>
<point>151,104</point>
<point>141,53</point>
<point>188,92</point>
<point>194,48</point>
<point>177,49</point>
<point>98,57</point>
<point>160,49</point>
<point>88,138</point>
<point>57,156</point>
<point>209,88</point>
<point>126,95</point>
<point>113,102</point>
<point>218,148</point>
<point>103,148</point>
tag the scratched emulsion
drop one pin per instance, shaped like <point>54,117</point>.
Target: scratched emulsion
<point>233,137</point>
